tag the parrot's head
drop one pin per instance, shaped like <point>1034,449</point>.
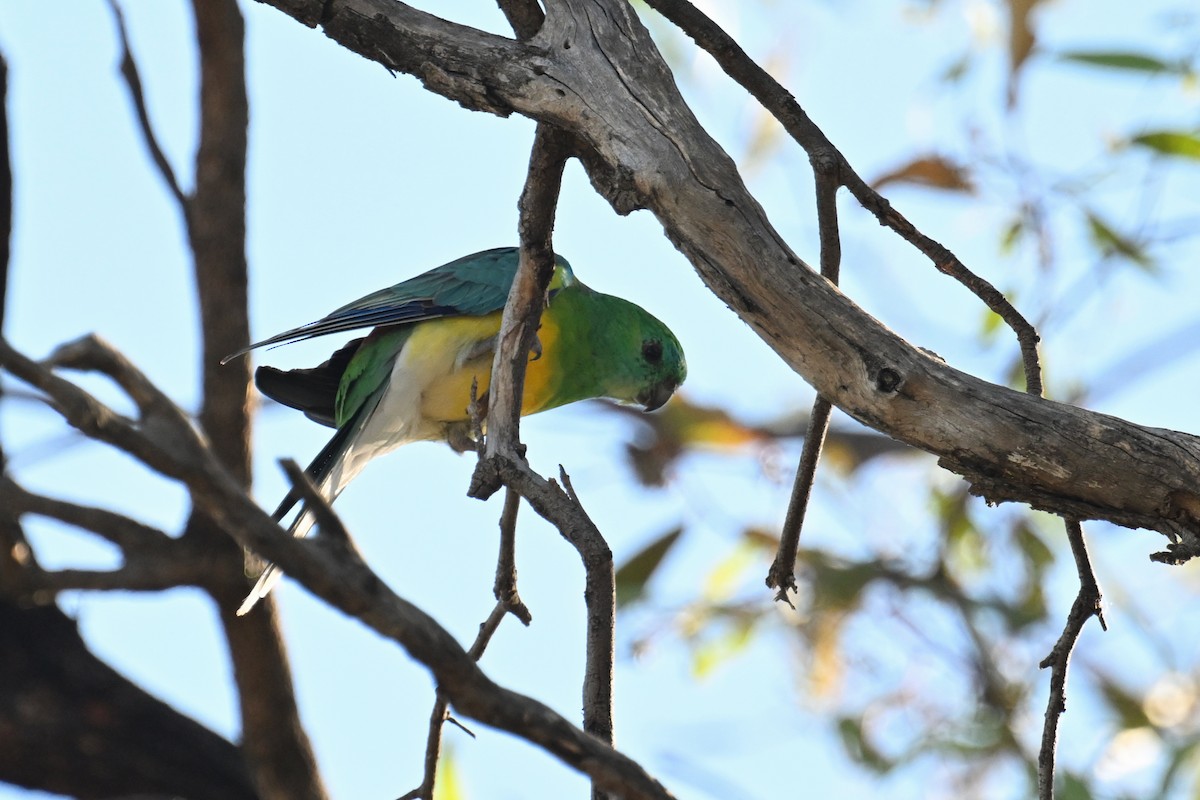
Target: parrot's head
<point>660,365</point>
<point>613,348</point>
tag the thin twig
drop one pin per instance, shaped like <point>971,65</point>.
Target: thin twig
<point>505,586</point>
<point>1086,605</point>
<point>133,81</point>
<point>783,106</point>
<point>438,718</point>
<point>782,574</point>
<point>315,503</point>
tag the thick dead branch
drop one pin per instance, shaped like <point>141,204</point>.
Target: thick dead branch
<point>611,88</point>
<point>783,106</point>
<point>62,708</point>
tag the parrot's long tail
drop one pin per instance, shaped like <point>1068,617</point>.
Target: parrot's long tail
<point>333,468</point>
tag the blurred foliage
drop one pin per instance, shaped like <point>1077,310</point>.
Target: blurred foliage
<point>924,655</point>
<point>448,785</point>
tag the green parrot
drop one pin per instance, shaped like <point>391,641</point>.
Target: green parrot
<point>432,338</point>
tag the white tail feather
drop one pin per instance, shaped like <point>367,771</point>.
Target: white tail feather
<point>343,471</point>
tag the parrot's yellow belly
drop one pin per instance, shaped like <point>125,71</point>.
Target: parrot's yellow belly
<point>455,354</point>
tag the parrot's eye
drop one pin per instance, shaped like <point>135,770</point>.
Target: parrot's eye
<point>652,351</point>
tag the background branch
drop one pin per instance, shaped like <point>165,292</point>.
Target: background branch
<point>133,82</point>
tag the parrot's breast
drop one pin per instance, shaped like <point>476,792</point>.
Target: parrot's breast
<point>447,356</point>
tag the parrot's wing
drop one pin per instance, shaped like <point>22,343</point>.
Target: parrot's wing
<point>473,285</point>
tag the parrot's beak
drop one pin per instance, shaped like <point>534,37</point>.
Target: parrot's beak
<point>654,397</point>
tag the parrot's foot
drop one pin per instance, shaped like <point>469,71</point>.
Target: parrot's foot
<point>459,439</point>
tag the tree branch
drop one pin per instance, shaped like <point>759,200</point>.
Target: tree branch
<point>505,586</point>
<point>783,106</point>
<point>437,718</point>
<point>1086,606</point>
<point>1011,446</point>
<point>334,573</point>
<point>59,692</point>
<point>133,81</point>
<point>781,575</point>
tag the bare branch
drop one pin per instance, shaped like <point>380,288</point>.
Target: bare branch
<point>317,504</point>
<point>437,718</point>
<point>526,299</point>
<point>1086,606</point>
<point>782,574</point>
<point>600,598</point>
<point>505,586</point>
<point>168,447</point>
<point>127,534</point>
<point>110,738</point>
<point>783,106</point>
<point>1010,445</point>
<point>133,82</point>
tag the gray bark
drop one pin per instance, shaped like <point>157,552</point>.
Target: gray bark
<point>594,71</point>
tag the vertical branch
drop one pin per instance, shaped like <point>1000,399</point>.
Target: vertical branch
<point>1086,606</point>
<point>277,749</point>
<point>600,598</point>
<point>15,555</point>
<point>505,586</point>
<point>782,574</point>
<point>501,460</point>
<point>438,717</point>
<point>84,730</point>
<point>217,231</point>
<point>527,298</point>
<point>6,191</point>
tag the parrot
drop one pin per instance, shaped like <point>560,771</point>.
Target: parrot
<point>431,341</point>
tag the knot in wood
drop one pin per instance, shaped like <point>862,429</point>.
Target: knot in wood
<point>888,380</point>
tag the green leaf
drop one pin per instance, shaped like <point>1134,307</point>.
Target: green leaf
<point>1125,706</point>
<point>1012,235</point>
<point>1035,550</point>
<point>1074,788</point>
<point>1135,62</point>
<point>860,748</point>
<point>1111,242</point>
<point>636,572</point>
<point>1170,143</point>
<point>727,575</point>
<point>715,651</point>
